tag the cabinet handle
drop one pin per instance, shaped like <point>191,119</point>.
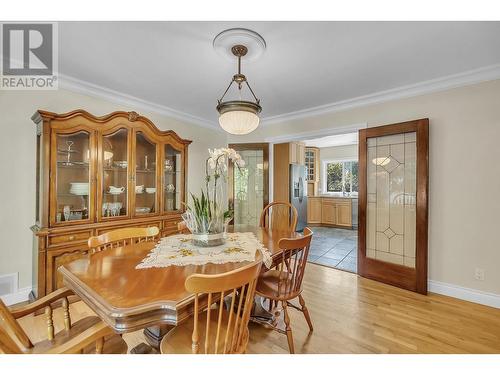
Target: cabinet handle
<point>71,238</point>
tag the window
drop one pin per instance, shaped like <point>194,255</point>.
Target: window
<point>340,176</point>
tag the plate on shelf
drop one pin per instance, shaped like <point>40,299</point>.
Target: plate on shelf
<point>142,210</point>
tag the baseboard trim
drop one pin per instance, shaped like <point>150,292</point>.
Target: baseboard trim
<point>22,295</point>
<point>467,294</point>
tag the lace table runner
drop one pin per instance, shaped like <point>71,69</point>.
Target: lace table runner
<point>178,250</point>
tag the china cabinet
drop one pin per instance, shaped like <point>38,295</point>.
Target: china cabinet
<point>95,174</point>
<point>312,165</point>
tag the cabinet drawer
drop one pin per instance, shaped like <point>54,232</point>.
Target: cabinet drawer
<point>69,238</point>
<point>142,225</point>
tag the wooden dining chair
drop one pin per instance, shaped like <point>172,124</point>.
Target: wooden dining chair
<point>88,335</point>
<point>284,283</point>
<point>122,237</point>
<point>216,329</point>
<point>279,216</point>
<point>182,228</point>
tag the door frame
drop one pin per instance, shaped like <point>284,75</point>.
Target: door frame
<point>265,169</point>
<point>414,279</point>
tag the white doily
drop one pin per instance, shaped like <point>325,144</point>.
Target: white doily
<point>178,250</point>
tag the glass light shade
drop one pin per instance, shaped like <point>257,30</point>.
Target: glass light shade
<point>239,122</point>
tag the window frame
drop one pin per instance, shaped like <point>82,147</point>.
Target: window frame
<point>324,176</point>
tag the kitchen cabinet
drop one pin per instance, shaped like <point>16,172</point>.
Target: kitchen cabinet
<point>330,211</point>
<point>311,156</point>
<point>314,210</point>
<point>297,153</point>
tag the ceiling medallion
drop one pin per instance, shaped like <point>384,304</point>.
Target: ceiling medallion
<point>239,116</point>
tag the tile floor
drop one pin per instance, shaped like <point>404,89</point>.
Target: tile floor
<point>334,247</point>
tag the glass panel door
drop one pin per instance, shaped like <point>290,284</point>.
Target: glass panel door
<point>172,179</point>
<point>145,175</point>
<point>73,184</point>
<point>391,187</point>
<point>115,163</point>
<point>393,210</point>
<point>249,184</point>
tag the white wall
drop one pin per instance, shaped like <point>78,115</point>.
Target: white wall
<point>464,174</point>
<point>347,152</point>
<point>17,164</point>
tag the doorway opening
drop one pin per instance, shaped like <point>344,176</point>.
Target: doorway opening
<point>332,178</point>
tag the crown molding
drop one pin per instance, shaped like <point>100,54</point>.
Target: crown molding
<point>83,87</point>
<point>312,134</point>
<point>488,73</point>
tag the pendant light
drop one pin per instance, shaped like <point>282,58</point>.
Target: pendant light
<point>239,116</point>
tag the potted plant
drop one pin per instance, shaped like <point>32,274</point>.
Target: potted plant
<point>208,216</point>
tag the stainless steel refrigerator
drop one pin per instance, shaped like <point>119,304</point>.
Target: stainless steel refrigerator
<point>298,194</point>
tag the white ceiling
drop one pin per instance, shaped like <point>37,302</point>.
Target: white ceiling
<point>306,64</point>
<point>333,140</point>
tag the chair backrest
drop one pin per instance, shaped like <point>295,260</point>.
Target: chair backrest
<point>292,264</point>
<point>182,228</point>
<point>122,237</point>
<point>279,215</point>
<point>231,333</point>
<point>8,326</point>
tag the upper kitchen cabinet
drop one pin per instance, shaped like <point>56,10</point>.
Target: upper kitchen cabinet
<point>311,155</point>
<point>297,153</point>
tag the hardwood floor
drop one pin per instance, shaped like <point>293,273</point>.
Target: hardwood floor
<point>355,315</point>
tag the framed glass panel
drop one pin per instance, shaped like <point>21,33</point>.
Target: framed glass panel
<point>391,199</point>
<point>115,161</point>
<point>172,181</point>
<point>145,175</point>
<point>72,177</point>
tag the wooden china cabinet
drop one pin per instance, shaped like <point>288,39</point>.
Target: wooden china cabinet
<point>96,174</point>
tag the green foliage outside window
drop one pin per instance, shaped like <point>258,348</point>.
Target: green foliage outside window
<point>342,177</point>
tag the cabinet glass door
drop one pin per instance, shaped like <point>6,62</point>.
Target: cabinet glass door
<point>115,163</point>
<point>145,175</point>
<point>72,189</point>
<point>172,179</point>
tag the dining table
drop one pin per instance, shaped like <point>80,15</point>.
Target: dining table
<point>154,299</point>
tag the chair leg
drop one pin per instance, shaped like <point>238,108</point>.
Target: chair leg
<point>288,328</point>
<point>305,311</point>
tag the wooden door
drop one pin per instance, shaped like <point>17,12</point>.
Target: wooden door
<point>393,193</point>
<point>145,179</point>
<point>248,188</point>
<point>72,175</point>
<point>114,169</point>
<point>172,182</point>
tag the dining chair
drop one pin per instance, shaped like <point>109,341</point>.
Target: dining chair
<point>182,228</point>
<point>122,237</point>
<point>284,283</point>
<point>215,328</point>
<point>279,216</point>
<point>88,335</point>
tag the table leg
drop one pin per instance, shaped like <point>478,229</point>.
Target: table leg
<point>155,334</point>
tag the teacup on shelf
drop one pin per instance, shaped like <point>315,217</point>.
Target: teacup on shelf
<point>116,190</point>
<point>139,189</point>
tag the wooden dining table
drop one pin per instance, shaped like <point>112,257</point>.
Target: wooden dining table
<point>129,299</point>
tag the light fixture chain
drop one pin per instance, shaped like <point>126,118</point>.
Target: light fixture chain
<point>257,100</point>
<point>225,92</point>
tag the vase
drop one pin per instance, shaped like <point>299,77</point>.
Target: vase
<point>208,229</point>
